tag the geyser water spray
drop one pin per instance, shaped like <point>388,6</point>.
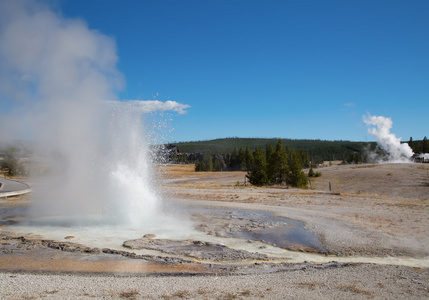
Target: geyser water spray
<point>58,83</point>
<point>128,170</point>
<point>380,127</point>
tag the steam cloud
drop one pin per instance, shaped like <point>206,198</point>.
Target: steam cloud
<point>56,76</point>
<point>380,127</point>
<point>154,105</point>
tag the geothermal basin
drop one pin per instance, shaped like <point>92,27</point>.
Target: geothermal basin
<point>230,229</point>
<point>220,240</point>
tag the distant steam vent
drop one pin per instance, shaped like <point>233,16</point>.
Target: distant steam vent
<point>380,126</point>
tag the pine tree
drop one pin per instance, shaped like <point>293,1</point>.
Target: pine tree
<point>283,165</point>
<point>305,159</point>
<point>217,166</point>
<point>197,166</point>
<point>249,158</point>
<point>242,159</point>
<point>302,180</point>
<point>296,176</point>
<point>257,174</point>
<point>411,144</point>
<point>269,150</point>
<point>234,162</point>
<point>205,164</point>
<point>425,145</point>
<point>208,162</point>
<point>277,163</point>
<point>271,162</point>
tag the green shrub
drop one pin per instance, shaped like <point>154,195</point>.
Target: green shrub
<point>311,173</point>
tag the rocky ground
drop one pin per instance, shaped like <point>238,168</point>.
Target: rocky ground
<point>373,211</point>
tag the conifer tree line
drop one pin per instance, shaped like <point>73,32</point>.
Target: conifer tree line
<point>419,146</point>
<point>318,150</point>
<point>273,165</point>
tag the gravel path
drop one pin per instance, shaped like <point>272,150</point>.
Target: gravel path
<point>350,282</point>
<point>9,188</point>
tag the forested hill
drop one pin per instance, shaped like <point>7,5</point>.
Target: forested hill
<point>318,150</point>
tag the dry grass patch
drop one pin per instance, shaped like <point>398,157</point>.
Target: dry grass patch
<point>203,292</point>
<point>407,203</point>
<point>418,270</point>
<point>177,295</point>
<point>30,297</point>
<point>365,166</point>
<point>129,294</point>
<point>239,295</point>
<point>354,289</point>
<point>312,285</point>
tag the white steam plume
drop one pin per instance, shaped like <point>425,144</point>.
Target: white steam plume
<point>380,127</point>
<point>146,106</point>
<point>55,70</point>
<point>55,78</point>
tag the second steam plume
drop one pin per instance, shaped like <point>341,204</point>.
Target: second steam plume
<point>380,127</point>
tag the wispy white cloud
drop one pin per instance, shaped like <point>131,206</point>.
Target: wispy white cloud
<point>348,105</point>
<point>146,106</point>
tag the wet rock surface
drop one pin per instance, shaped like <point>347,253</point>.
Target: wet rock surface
<point>39,248</point>
<point>10,244</point>
<point>257,225</point>
<point>193,248</point>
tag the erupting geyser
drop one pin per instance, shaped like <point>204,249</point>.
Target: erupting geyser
<point>380,127</point>
<point>58,81</point>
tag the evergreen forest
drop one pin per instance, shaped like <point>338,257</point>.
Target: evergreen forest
<point>277,161</point>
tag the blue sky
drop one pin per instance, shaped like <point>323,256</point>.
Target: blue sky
<point>288,69</point>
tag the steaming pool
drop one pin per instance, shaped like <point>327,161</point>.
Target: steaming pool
<point>236,228</point>
<point>210,238</point>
